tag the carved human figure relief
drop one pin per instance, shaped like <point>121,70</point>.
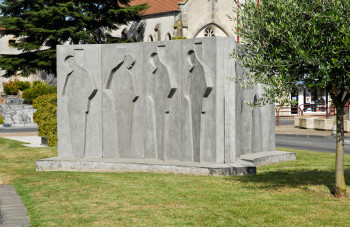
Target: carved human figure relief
<point>120,95</point>
<point>162,90</point>
<point>251,133</point>
<point>199,87</point>
<point>79,89</point>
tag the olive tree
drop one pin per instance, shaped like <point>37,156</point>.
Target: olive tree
<point>285,43</point>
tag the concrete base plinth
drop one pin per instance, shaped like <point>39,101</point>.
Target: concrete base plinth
<point>266,158</point>
<point>244,166</point>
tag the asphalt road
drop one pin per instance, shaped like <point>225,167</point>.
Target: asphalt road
<point>18,129</point>
<point>320,144</point>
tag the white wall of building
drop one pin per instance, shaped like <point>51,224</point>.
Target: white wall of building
<point>205,14</point>
<point>4,45</point>
<point>6,49</point>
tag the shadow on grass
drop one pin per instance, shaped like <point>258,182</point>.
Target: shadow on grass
<point>291,178</point>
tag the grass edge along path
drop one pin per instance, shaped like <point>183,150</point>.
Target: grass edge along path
<point>295,193</point>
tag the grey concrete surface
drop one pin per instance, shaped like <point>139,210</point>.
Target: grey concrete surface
<point>167,101</point>
<point>12,211</point>
<point>266,158</point>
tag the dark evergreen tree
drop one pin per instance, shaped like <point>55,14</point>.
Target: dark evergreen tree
<point>40,25</point>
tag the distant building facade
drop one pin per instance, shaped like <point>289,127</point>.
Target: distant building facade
<point>166,19</point>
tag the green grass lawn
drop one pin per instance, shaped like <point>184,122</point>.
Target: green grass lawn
<point>296,193</point>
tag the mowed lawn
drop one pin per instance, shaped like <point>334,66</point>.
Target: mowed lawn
<point>296,193</point>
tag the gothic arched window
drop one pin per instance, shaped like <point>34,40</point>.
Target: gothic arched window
<point>209,32</point>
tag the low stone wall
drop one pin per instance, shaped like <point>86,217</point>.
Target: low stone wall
<point>296,121</point>
<point>323,124</point>
<point>318,123</point>
<point>15,113</point>
<point>306,123</point>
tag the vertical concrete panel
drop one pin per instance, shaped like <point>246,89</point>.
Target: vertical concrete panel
<point>267,125</point>
<point>230,105</point>
<point>149,107</point>
<point>169,53</point>
<point>122,101</point>
<point>187,149</point>
<point>223,60</point>
<point>208,133</point>
<point>239,113</point>
<point>64,141</point>
<point>198,100</point>
<point>79,98</point>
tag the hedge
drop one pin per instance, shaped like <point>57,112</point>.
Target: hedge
<point>46,117</point>
<point>38,89</point>
<point>11,87</point>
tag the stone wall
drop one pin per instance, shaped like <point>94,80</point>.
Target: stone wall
<point>15,113</point>
<point>165,101</point>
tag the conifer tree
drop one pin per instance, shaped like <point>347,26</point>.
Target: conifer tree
<point>40,25</point>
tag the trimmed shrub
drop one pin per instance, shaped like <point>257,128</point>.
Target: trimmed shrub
<point>45,117</point>
<point>39,88</point>
<point>23,85</point>
<point>1,120</point>
<point>11,87</point>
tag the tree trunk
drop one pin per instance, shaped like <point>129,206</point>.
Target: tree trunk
<point>340,187</point>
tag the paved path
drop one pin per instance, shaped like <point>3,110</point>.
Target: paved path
<point>291,129</point>
<point>12,211</point>
<point>31,138</point>
<point>33,141</point>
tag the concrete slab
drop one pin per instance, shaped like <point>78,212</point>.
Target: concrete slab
<point>246,165</point>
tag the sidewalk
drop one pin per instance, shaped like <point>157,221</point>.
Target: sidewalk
<point>12,210</point>
<point>30,138</point>
<point>292,130</point>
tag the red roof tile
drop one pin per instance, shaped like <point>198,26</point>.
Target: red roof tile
<point>158,6</point>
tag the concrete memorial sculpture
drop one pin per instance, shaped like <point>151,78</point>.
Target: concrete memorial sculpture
<point>162,107</point>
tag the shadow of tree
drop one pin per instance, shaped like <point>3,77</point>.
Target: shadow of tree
<point>291,178</point>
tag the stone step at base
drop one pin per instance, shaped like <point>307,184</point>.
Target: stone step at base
<point>245,166</point>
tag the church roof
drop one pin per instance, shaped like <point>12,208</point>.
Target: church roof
<point>158,6</point>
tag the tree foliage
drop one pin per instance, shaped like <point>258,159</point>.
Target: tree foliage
<point>46,117</point>
<point>285,43</point>
<point>40,25</point>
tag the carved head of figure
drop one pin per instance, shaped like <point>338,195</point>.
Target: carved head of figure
<point>70,60</point>
<point>129,61</point>
<point>191,59</point>
<point>155,61</point>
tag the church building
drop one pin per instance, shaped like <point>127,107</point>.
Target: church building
<point>166,19</point>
